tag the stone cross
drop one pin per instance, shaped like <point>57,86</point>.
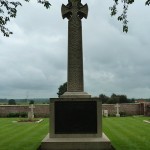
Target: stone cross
<point>105,113</point>
<point>31,113</point>
<point>74,11</point>
<point>117,106</point>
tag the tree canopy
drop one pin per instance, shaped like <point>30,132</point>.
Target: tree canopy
<point>31,102</point>
<point>9,10</point>
<point>123,16</point>
<point>62,89</point>
<point>11,102</point>
<point>115,99</point>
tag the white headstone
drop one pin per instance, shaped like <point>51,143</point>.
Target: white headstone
<point>105,113</point>
<point>31,112</point>
<point>117,106</point>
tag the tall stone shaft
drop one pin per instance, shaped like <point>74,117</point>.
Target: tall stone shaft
<point>74,11</point>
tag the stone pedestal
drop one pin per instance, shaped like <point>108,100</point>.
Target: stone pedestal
<point>75,95</point>
<point>99,143</point>
<point>75,118</point>
<point>30,116</point>
<point>76,124</point>
<point>117,115</point>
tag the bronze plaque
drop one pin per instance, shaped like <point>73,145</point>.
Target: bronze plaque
<point>75,117</point>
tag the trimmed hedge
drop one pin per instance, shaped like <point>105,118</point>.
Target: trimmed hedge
<point>21,114</point>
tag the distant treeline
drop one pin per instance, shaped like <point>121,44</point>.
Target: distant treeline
<point>114,98</point>
<point>25,101</point>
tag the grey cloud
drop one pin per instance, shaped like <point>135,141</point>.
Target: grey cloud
<point>33,61</point>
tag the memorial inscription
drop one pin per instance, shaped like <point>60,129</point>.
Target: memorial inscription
<point>75,117</point>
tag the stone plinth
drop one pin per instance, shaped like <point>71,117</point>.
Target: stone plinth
<point>75,117</point>
<point>99,143</point>
<point>117,115</point>
<point>76,124</point>
<point>75,95</point>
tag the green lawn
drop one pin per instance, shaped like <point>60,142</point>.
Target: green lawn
<point>125,133</point>
<point>128,133</point>
<point>21,136</point>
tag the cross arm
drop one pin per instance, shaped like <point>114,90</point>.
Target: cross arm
<point>65,11</point>
<point>83,11</point>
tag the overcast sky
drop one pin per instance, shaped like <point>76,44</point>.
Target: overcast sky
<point>33,60</point>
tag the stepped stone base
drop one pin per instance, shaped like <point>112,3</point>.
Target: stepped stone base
<point>75,95</point>
<point>96,143</point>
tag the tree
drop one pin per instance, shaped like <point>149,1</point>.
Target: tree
<point>104,98</point>
<point>9,10</point>
<point>132,100</point>
<point>62,89</point>
<point>123,99</point>
<point>31,102</point>
<point>11,102</point>
<point>123,16</point>
<point>114,99</point>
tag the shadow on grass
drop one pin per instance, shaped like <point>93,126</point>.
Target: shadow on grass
<point>112,148</point>
<point>39,148</point>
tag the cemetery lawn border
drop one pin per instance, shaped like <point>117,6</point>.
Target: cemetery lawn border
<point>125,133</point>
<point>21,135</point>
<point>128,133</point>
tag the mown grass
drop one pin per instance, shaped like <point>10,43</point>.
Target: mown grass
<point>125,133</point>
<point>21,136</point>
<point>128,133</point>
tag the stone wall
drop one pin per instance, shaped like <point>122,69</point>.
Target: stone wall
<point>39,110</point>
<point>43,110</point>
<point>147,108</point>
<point>125,108</point>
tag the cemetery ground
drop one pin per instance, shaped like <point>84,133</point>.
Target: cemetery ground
<point>125,133</point>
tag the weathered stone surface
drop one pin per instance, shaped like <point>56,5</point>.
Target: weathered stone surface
<point>31,112</point>
<point>117,107</point>
<point>75,95</point>
<point>74,11</point>
<point>75,115</point>
<point>101,143</point>
<point>43,110</point>
<point>72,117</point>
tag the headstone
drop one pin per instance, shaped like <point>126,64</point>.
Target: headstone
<point>75,117</point>
<point>31,112</point>
<point>117,110</point>
<point>105,113</point>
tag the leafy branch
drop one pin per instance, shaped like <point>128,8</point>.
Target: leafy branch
<point>123,16</point>
<point>9,10</point>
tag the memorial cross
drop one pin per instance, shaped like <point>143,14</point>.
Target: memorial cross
<point>31,113</point>
<point>117,106</point>
<point>74,11</point>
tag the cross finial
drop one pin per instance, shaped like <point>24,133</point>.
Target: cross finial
<point>74,9</point>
